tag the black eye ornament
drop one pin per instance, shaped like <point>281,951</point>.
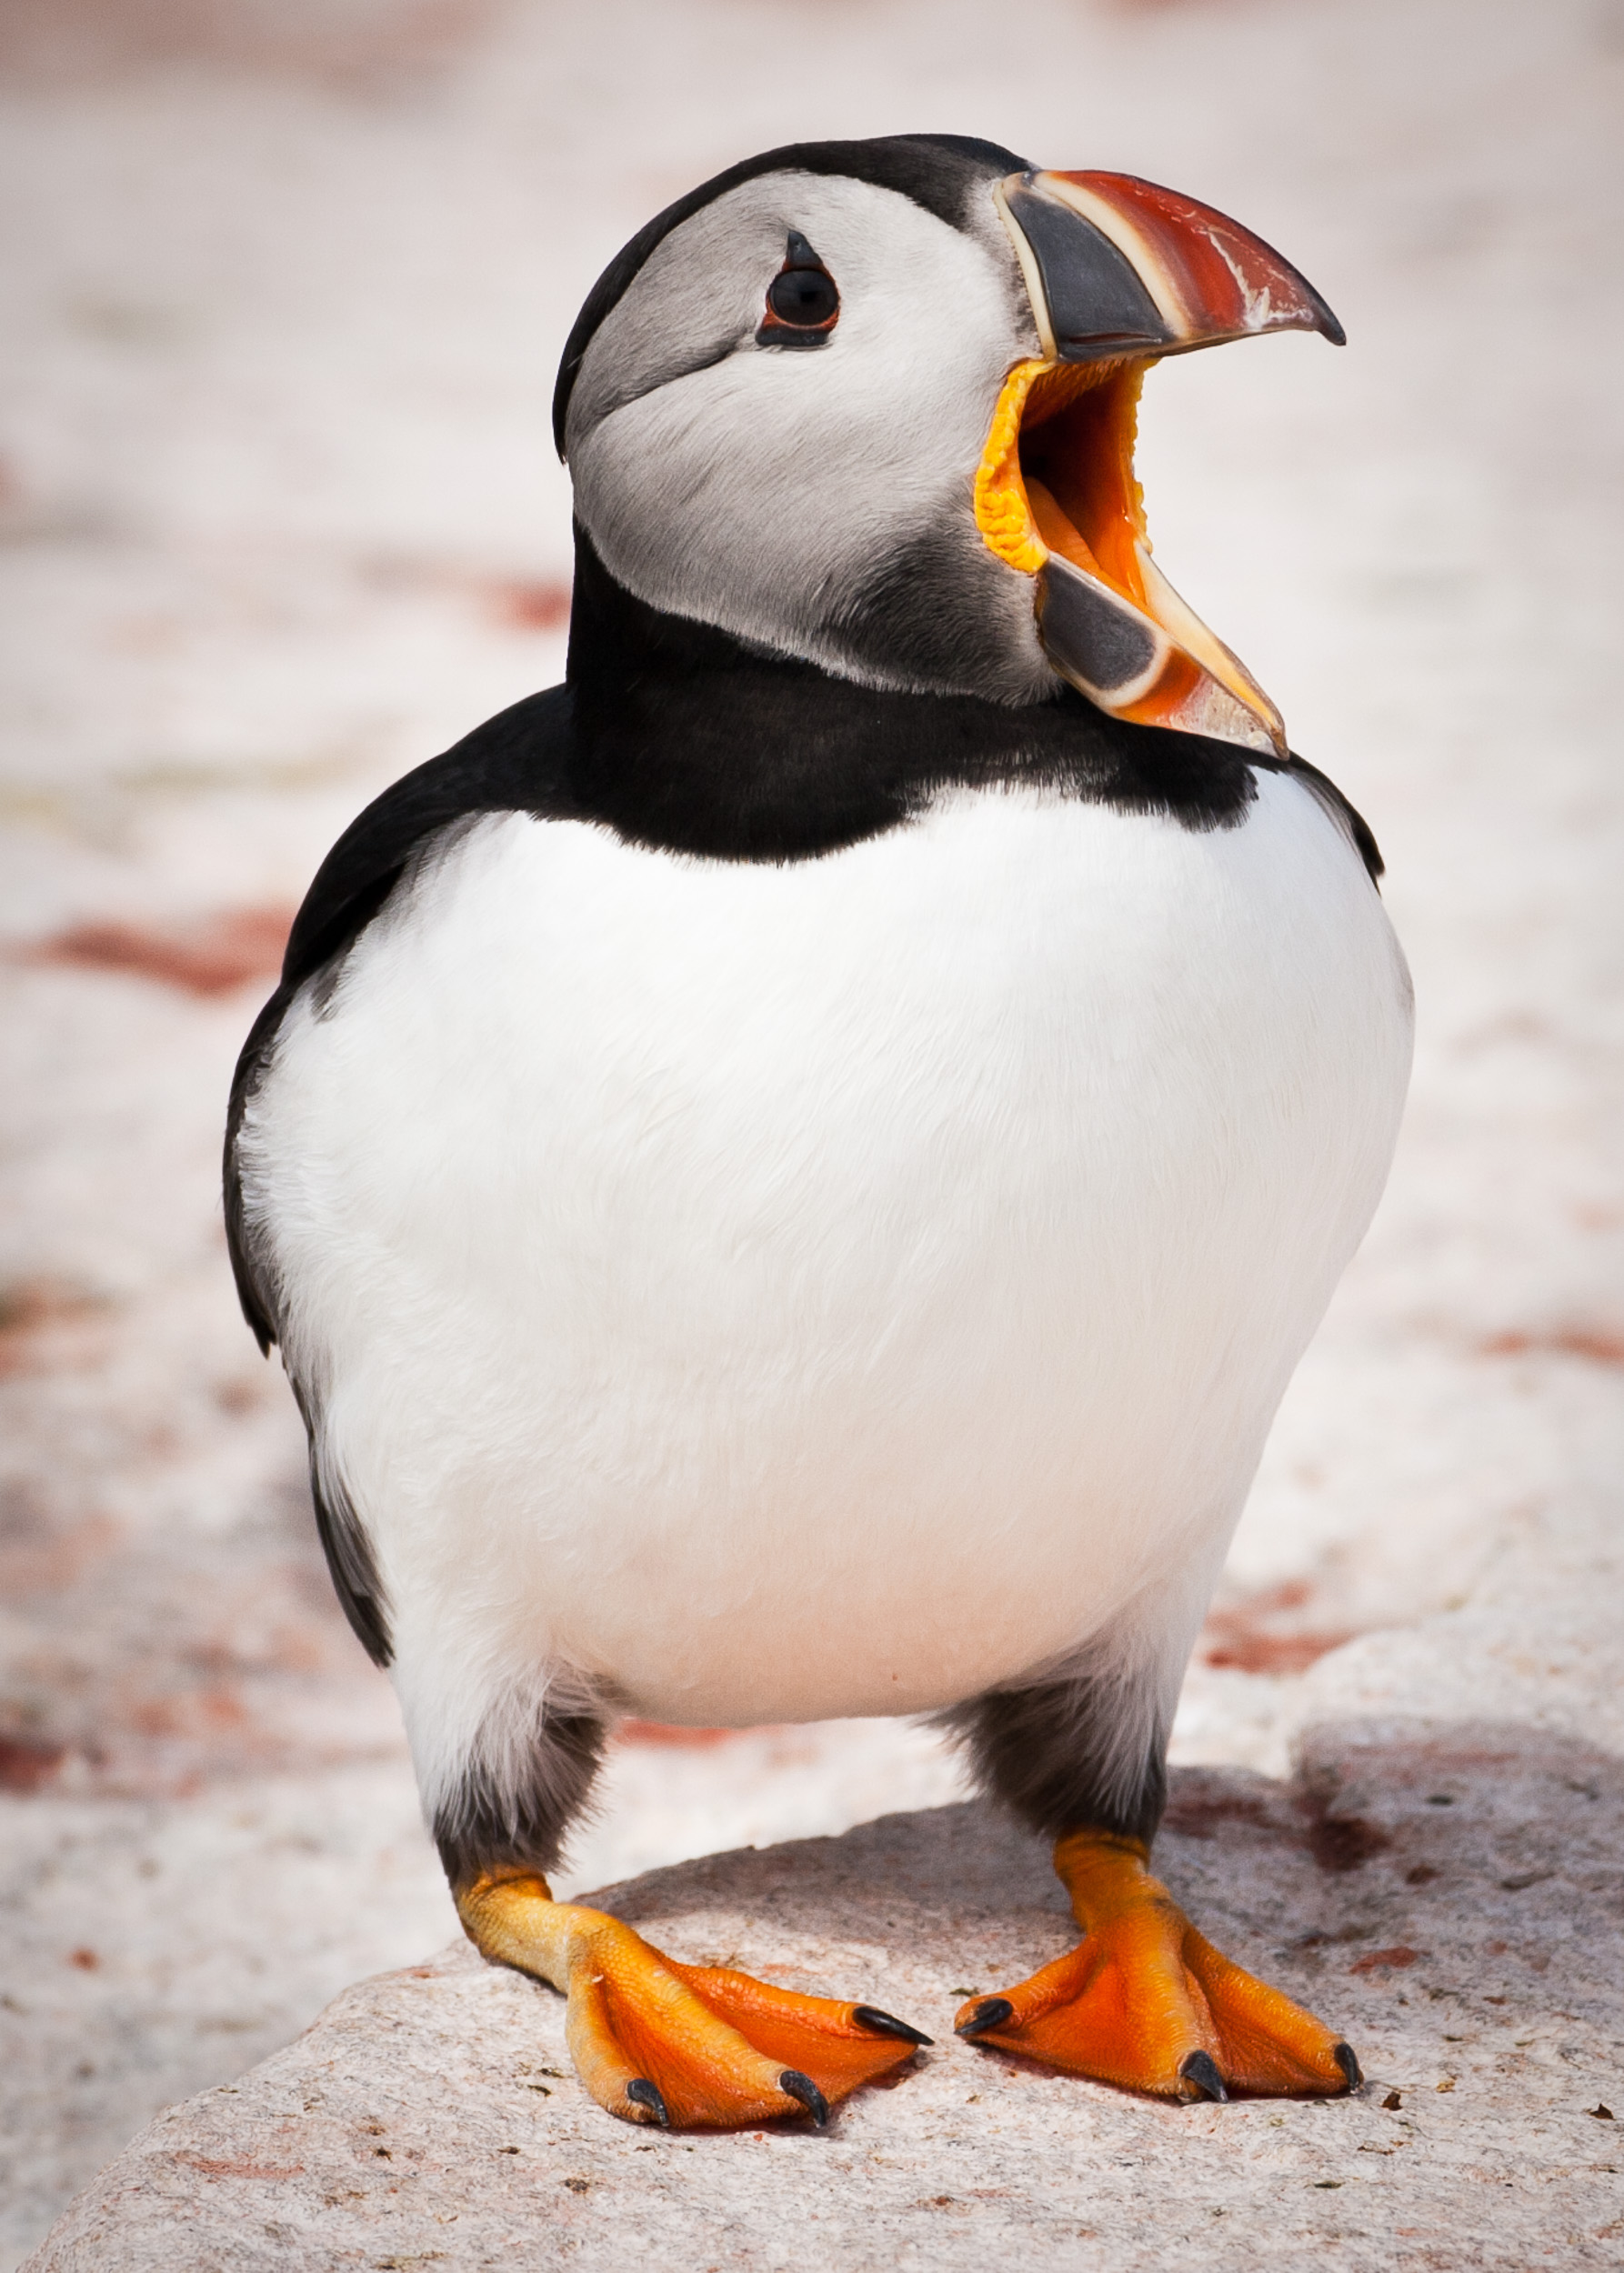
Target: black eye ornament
<point>803,306</point>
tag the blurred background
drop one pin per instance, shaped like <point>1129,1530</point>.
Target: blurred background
<point>282,284</point>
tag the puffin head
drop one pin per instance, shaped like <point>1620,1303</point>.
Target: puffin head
<point>872,406</point>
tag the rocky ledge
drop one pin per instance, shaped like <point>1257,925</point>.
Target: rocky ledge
<point>1452,1899</point>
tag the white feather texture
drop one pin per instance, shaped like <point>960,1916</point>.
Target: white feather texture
<point>758,1292</point>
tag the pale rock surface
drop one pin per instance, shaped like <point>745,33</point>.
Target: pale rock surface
<point>1452,1899</point>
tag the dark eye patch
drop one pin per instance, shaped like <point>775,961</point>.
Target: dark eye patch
<point>803,301</point>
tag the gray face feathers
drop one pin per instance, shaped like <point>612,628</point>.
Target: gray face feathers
<point>804,479</point>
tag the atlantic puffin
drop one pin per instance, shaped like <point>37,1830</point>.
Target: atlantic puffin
<point>791,1172</point>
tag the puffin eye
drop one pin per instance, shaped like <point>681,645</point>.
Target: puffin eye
<point>803,295</point>
<point>802,301</point>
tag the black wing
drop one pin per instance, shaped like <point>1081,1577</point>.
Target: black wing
<point>519,762</point>
<point>1346,816</point>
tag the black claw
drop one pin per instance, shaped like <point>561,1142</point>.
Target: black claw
<point>992,2012</point>
<point>887,2025</point>
<point>803,2089</point>
<point>1201,2070</point>
<point>1347,2059</point>
<point>643,2094</point>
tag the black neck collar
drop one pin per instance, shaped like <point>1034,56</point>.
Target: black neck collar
<point>685,738</point>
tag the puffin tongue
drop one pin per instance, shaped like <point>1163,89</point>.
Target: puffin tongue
<point>1057,497</point>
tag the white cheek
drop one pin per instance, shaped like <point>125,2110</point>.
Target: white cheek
<point>753,493</point>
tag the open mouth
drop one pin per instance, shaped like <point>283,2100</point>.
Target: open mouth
<point>1121,272</point>
<point>1057,497</point>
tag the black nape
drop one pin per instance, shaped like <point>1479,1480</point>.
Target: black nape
<point>687,739</point>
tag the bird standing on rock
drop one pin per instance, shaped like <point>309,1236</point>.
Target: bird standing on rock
<point>791,1172</point>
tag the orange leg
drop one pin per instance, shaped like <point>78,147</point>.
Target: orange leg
<point>694,2045</point>
<point>1145,2001</point>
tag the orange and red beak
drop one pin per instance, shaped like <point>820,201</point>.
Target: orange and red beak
<point>1121,273</point>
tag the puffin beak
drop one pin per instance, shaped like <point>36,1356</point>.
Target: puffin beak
<point>1121,273</point>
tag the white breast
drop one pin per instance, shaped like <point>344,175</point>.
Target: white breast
<point>779,1292</point>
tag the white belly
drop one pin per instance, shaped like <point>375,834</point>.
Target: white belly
<point>778,1292</point>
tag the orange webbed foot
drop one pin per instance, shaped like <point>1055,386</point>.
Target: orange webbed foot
<point>1145,2001</point>
<point>690,2047</point>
